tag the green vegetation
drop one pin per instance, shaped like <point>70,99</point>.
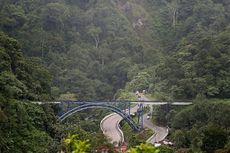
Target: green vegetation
<point>201,129</point>
<point>93,48</point>
<point>221,101</point>
<point>147,148</point>
<point>123,94</point>
<point>150,97</point>
<point>144,148</point>
<point>20,77</point>
<point>105,49</point>
<point>76,146</point>
<point>135,138</point>
<point>25,126</point>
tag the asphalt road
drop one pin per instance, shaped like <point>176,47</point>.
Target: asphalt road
<point>159,132</point>
<point>110,127</point>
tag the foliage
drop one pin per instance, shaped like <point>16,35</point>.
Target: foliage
<point>225,150</point>
<point>31,127</point>
<point>166,149</point>
<point>68,96</point>
<point>144,148</point>
<point>90,49</point>
<point>139,82</point>
<point>135,138</point>
<point>195,59</point>
<point>123,94</point>
<point>76,146</point>
<point>21,77</point>
<point>24,126</point>
<point>215,138</point>
<point>199,129</point>
<point>83,44</point>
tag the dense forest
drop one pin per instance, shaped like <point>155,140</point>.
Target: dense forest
<point>104,49</point>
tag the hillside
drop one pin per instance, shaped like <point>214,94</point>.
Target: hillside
<point>88,46</point>
<point>92,47</point>
<point>104,49</point>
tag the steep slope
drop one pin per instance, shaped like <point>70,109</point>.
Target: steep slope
<point>88,46</point>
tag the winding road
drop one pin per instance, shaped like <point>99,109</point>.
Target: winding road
<point>110,128</point>
<point>160,133</point>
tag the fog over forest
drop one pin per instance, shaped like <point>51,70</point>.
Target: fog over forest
<point>57,52</point>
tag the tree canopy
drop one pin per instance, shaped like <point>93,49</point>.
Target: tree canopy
<point>104,49</point>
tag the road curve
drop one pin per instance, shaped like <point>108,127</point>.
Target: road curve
<point>160,133</point>
<point>111,129</point>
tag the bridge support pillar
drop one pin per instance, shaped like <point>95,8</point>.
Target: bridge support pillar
<point>129,108</point>
<point>140,115</point>
<point>68,106</point>
<point>61,109</point>
<point>151,109</point>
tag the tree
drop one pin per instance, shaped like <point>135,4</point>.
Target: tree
<point>173,9</point>
<point>214,138</point>
<point>165,149</point>
<point>31,127</point>
<point>21,77</point>
<point>144,148</point>
<point>94,32</point>
<point>54,16</point>
<point>179,138</point>
<point>76,146</point>
<point>139,82</point>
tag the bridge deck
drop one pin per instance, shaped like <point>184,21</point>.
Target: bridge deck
<point>133,102</point>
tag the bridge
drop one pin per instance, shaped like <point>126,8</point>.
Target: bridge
<point>122,108</point>
<point>88,105</point>
<point>149,102</point>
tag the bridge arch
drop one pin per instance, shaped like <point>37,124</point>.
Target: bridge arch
<point>125,116</point>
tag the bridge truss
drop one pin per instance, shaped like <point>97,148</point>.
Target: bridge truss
<point>121,108</point>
